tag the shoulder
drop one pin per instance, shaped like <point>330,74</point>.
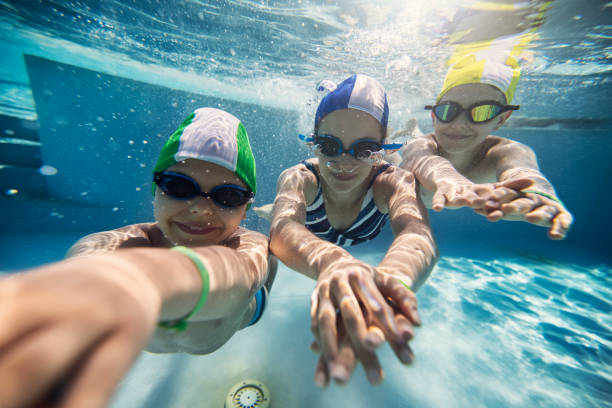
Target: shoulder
<point>130,236</point>
<point>394,180</point>
<point>394,176</point>
<point>417,147</point>
<point>427,141</point>
<point>501,145</point>
<point>300,172</point>
<point>300,179</point>
<point>503,149</point>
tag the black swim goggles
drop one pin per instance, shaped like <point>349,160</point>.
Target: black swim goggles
<point>361,149</point>
<point>182,187</point>
<point>479,112</point>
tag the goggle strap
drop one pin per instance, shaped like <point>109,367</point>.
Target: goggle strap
<point>304,138</point>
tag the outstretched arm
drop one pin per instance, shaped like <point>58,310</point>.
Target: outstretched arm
<point>413,253</point>
<point>537,204</point>
<point>405,266</point>
<point>437,174</point>
<point>344,284</point>
<point>76,326</point>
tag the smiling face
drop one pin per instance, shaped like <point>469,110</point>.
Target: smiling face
<point>198,221</point>
<point>344,173</point>
<point>461,135</point>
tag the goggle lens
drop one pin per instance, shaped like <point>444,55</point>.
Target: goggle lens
<point>483,113</point>
<point>182,187</point>
<point>178,187</point>
<point>446,112</point>
<point>477,113</point>
<point>331,147</point>
<point>328,147</point>
<point>229,196</point>
<point>363,150</point>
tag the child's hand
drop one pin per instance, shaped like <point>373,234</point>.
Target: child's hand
<point>346,361</point>
<point>349,355</point>
<point>69,332</point>
<point>347,290</point>
<point>535,208</point>
<point>455,195</point>
<point>365,306</point>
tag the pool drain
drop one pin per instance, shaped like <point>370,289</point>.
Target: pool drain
<point>248,394</point>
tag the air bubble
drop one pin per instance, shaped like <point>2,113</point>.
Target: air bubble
<point>11,191</point>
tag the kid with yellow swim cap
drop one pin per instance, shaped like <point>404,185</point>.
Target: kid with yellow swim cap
<point>457,160</point>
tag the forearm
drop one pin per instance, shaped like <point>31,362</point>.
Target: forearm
<point>301,250</point>
<point>540,183</point>
<point>431,170</point>
<point>412,255</point>
<point>232,279</point>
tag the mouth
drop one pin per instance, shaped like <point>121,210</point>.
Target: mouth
<point>454,136</point>
<point>343,176</point>
<point>194,229</point>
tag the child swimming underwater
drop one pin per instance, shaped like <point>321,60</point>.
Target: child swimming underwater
<point>475,101</point>
<point>342,198</point>
<point>186,282</point>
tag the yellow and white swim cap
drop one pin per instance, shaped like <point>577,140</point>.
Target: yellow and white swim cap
<point>472,70</point>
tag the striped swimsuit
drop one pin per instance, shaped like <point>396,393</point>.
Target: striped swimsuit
<point>368,224</point>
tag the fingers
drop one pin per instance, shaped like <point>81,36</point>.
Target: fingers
<point>401,349</point>
<point>516,184</point>
<point>321,377</point>
<point>376,306</point>
<point>371,365</point>
<point>560,226</point>
<point>521,205</point>
<point>438,201</point>
<point>500,196</point>
<point>352,316</point>
<point>103,369</point>
<point>323,322</point>
<point>28,364</point>
<point>342,369</point>
<point>401,297</point>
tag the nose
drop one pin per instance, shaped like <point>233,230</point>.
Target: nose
<point>203,205</point>
<point>461,121</point>
<point>344,163</point>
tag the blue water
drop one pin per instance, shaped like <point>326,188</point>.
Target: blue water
<point>90,90</point>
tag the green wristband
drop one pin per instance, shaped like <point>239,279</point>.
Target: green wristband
<point>405,284</point>
<point>543,194</point>
<point>181,324</point>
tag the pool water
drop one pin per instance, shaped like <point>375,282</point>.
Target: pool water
<point>496,332</point>
<point>90,90</point>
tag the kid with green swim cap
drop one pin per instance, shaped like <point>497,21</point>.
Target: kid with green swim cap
<point>184,283</point>
<point>457,160</point>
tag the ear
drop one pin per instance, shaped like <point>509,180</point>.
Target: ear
<point>502,119</point>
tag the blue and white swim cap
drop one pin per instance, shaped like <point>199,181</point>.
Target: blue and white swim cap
<point>357,92</point>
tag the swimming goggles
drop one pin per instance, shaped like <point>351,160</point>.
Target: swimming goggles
<point>479,112</point>
<point>361,149</point>
<point>182,187</point>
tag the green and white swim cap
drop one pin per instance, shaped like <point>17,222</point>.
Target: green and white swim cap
<point>215,136</point>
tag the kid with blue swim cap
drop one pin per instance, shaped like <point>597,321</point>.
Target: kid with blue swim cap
<point>462,164</point>
<point>186,282</point>
<point>343,197</point>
